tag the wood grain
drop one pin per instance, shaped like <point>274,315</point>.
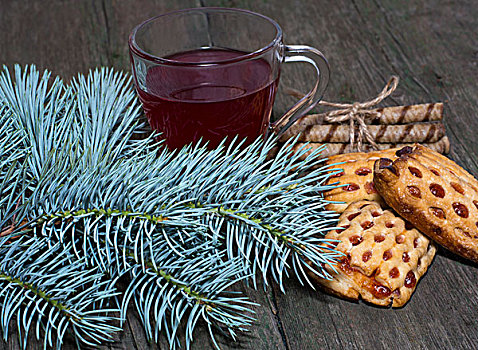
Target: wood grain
<point>432,45</point>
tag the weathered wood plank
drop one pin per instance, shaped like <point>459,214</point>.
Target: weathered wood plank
<point>71,36</point>
<point>265,333</point>
<point>432,46</point>
<point>64,36</point>
<point>68,37</point>
<point>435,56</point>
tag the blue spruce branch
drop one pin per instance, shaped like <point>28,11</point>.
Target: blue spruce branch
<point>80,176</point>
<point>46,291</point>
<point>190,283</point>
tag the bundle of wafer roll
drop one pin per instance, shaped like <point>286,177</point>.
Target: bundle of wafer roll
<point>384,128</point>
<point>394,127</point>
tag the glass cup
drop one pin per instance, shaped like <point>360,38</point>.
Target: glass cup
<point>212,73</point>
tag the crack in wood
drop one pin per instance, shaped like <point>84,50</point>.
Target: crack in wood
<point>132,331</point>
<point>108,34</point>
<point>276,312</point>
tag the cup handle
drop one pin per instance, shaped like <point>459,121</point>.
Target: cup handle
<point>303,53</point>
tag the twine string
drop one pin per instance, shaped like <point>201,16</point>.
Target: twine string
<point>357,113</point>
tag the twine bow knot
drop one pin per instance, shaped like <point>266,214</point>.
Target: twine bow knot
<point>357,113</point>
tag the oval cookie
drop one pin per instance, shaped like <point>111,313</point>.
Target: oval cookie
<point>435,194</point>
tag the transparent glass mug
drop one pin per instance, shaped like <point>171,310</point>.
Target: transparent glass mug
<point>212,73</point>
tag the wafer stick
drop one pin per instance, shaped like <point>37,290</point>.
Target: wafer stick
<point>441,146</point>
<point>325,133</point>
<point>427,112</point>
<point>409,114</point>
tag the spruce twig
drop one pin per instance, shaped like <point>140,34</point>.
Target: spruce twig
<point>179,228</point>
<point>194,284</point>
<point>44,289</point>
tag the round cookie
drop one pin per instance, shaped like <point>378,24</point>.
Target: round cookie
<point>354,171</point>
<point>384,258</point>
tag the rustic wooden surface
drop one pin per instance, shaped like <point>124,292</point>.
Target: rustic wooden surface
<point>432,45</point>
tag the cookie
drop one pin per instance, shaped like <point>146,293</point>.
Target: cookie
<point>435,194</point>
<point>355,173</point>
<point>384,257</point>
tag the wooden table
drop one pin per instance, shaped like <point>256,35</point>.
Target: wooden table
<point>432,45</point>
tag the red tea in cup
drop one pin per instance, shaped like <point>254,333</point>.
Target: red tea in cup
<point>209,103</point>
<point>212,74</point>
